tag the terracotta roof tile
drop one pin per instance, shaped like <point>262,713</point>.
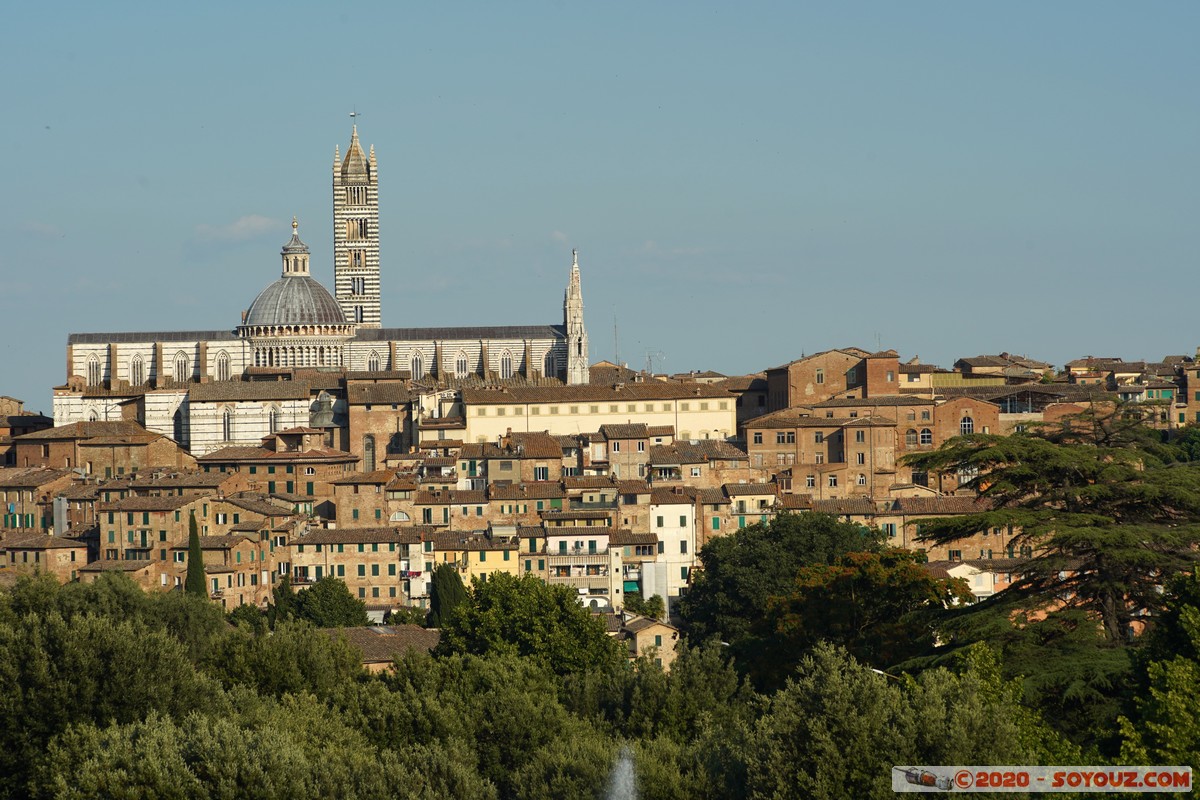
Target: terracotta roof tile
<point>218,391</point>
<point>385,643</point>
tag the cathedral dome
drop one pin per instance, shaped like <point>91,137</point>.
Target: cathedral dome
<point>295,299</point>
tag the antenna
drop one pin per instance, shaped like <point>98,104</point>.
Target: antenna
<point>616,343</point>
<point>651,355</point>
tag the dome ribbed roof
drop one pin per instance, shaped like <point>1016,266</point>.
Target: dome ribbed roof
<point>295,299</point>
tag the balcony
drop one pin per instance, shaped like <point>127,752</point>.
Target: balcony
<point>590,582</point>
<point>603,505</point>
<point>577,558</point>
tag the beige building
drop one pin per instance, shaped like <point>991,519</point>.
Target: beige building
<point>696,411</point>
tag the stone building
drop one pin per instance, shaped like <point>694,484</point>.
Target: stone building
<point>174,382</point>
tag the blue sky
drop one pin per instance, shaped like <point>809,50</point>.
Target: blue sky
<point>744,182</point>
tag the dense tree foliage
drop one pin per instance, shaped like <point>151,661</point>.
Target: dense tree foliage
<point>882,607</point>
<point>446,593</point>
<point>742,571</point>
<point>525,616</point>
<point>1104,509</point>
<point>654,607</point>
<point>194,581</point>
<point>328,603</point>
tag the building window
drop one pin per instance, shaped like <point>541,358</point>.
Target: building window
<point>182,372</point>
<point>818,437</point>
<point>833,481</point>
<point>418,366</point>
<point>373,362</point>
<point>177,426</point>
<point>137,371</point>
<point>926,436</point>
<point>274,420</point>
<point>860,458</point>
<point>966,427</point>
<point>758,437</point>
<point>227,425</point>
<point>358,314</point>
<point>460,365</point>
<point>551,365</point>
<point>93,371</point>
<point>910,436</point>
<point>223,371</point>
<point>506,365</point>
<point>860,436</point>
<point>368,453</point>
<point>862,479</point>
<point>820,376</point>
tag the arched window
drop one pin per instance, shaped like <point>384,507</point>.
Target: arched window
<point>373,362</point>
<point>177,425</point>
<point>368,453</point>
<point>820,376</point>
<point>926,436</point>
<point>506,364</point>
<point>551,365</point>
<point>137,371</point>
<point>274,419</point>
<point>910,436</point>
<point>93,416</point>
<point>460,365</point>
<point>182,373</point>
<point>227,425</point>
<point>418,367</point>
<point>222,366</point>
<point>93,371</point>
<point>966,427</point>
<point>862,479</point>
<point>399,516</point>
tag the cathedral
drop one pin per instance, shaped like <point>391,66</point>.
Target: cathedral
<point>287,360</point>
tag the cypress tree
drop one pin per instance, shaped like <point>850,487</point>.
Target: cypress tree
<point>194,584</point>
<point>446,592</point>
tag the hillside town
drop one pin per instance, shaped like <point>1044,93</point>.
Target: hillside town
<point>309,441</point>
<point>609,487</point>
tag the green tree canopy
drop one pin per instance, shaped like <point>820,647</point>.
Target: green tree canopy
<point>527,617</point>
<point>329,604</point>
<point>1102,509</point>
<point>194,582</point>
<point>743,570</point>
<point>880,606</point>
<point>446,593</point>
<point>838,728</point>
<point>653,607</point>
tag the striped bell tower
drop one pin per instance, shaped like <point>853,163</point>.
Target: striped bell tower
<point>356,234</point>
